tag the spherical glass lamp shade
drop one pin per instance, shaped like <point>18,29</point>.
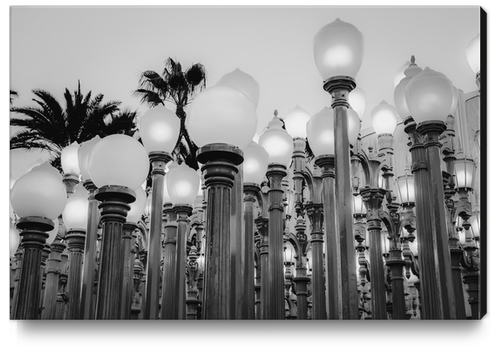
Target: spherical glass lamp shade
<point>75,214</point>
<point>40,192</point>
<point>338,49</point>
<point>296,121</point>
<point>354,126</point>
<point>14,240</point>
<point>429,96</point>
<point>405,186</point>
<point>464,170</point>
<point>473,54</point>
<point>83,155</point>
<point>69,159</point>
<point>358,206</point>
<point>400,99</point>
<point>182,185</point>
<point>243,82</point>
<point>222,114</point>
<point>319,131</point>
<point>118,160</point>
<point>400,74</point>
<point>277,142</point>
<point>255,161</point>
<point>288,252</point>
<point>136,211</point>
<point>357,101</point>
<point>159,128</point>
<point>384,118</point>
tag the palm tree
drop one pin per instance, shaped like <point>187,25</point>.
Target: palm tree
<point>178,87</point>
<point>47,126</point>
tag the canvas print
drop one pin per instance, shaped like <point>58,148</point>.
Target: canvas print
<point>247,163</point>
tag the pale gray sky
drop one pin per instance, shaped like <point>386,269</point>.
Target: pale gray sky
<point>107,48</point>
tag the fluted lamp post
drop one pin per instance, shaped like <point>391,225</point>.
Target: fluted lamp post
<point>75,217</point>
<point>429,96</point>
<point>338,52</point>
<point>279,144</point>
<point>159,129</point>
<point>255,161</point>
<point>183,187</point>
<point>37,198</point>
<point>222,121</point>
<point>118,165</point>
<point>87,308</point>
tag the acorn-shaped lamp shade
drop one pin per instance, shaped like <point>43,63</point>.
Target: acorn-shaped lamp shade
<point>296,121</point>
<point>159,128</point>
<point>399,95</point>
<point>277,142</point>
<point>136,211</point>
<point>255,161</point>
<point>222,114</point>
<point>319,130</point>
<point>338,50</point>
<point>473,54</point>
<point>40,193</point>
<point>384,118</point>
<point>183,185</point>
<point>357,101</point>
<point>83,155</point>
<point>75,214</point>
<point>118,160</point>
<point>243,82</point>
<point>69,159</point>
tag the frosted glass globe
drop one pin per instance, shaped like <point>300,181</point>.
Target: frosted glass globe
<point>118,160</point>
<point>159,128</point>
<point>338,49</point>
<point>429,96</point>
<point>75,214</point>
<point>69,159</point>
<point>384,118</point>
<point>14,240</point>
<point>296,120</point>
<point>473,54</point>
<point>40,192</point>
<point>320,132</point>
<point>277,142</point>
<point>83,155</point>
<point>243,82</point>
<point>222,114</point>
<point>134,214</point>
<point>255,161</point>
<point>357,101</point>
<point>182,185</point>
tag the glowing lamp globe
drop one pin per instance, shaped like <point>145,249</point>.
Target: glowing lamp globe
<point>400,99</point>
<point>358,206</point>
<point>357,101</point>
<point>354,126</point>
<point>136,211</point>
<point>69,159</point>
<point>406,189</point>
<point>319,130</point>
<point>429,96</point>
<point>255,161</point>
<point>182,185</point>
<point>14,240</point>
<point>222,114</point>
<point>243,82</point>
<point>384,118</point>
<point>296,121</point>
<point>473,54</point>
<point>288,252</point>
<point>75,214</point>
<point>338,49</point>
<point>159,128</point>
<point>40,193</point>
<point>277,142</point>
<point>83,155</point>
<point>464,170</point>
<point>475,223</point>
<point>118,160</point>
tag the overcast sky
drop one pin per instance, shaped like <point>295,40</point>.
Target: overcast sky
<point>106,49</point>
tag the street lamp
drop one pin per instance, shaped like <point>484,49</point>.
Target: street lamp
<point>69,164</point>
<point>221,121</point>
<point>37,198</point>
<point>159,129</point>
<point>473,57</point>
<point>338,51</point>
<point>118,165</point>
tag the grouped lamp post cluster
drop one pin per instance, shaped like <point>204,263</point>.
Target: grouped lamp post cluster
<point>351,193</point>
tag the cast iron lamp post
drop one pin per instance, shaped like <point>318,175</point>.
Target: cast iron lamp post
<point>338,50</point>
<point>220,151</point>
<point>118,165</point>
<point>36,205</point>
<point>279,144</point>
<point>159,129</point>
